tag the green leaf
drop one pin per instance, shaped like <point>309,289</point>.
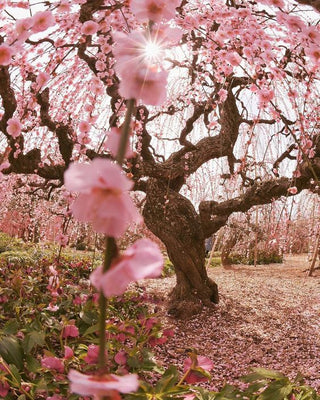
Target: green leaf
<point>89,317</point>
<point>33,339</point>
<point>22,397</point>
<point>91,329</point>
<point>32,363</point>
<point>14,371</point>
<point>168,380</point>
<point>11,327</point>
<point>228,392</point>
<point>259,374</point>
<point>11,351</point>
<point>277,390</point>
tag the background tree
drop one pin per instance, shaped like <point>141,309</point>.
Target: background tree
<point>242,88</point>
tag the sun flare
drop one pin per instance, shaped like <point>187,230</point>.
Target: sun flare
<point>152,51</point>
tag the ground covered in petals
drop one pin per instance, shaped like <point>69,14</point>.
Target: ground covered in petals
<point>268,316</point>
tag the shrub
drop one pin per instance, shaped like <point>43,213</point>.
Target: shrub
<point>263,257</point>
<point>18,258</point>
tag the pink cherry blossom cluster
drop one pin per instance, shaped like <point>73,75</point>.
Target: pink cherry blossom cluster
<point>24,28</point>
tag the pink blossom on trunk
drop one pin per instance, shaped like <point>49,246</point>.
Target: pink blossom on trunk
<point>89,28</point>
<point>14,127</point>
<point>293,190</point>
<point>6,53</point>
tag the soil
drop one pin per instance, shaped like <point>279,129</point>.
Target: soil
<point>268,316</point>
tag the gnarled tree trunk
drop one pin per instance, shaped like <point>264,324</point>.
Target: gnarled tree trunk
<point>172,218</point>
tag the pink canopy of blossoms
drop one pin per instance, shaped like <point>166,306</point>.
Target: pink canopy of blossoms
<point>102,385</point>
<point>141,260</point>
<point>104,199</point>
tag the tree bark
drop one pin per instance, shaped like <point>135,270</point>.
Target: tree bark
<point>172,218</point>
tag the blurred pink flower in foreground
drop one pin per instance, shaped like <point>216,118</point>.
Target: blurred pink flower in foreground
<point>145,83</point>
<point>102,385</point>
<point>113,141</point>
<point>198,372</point>
<point>141,260</point>
<point>155,10</point>
<point>104,199</point>
<point>138,56</point>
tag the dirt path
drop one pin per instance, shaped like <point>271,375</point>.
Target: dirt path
<point>267,317</point>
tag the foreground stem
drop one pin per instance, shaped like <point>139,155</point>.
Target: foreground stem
<point>111,246</point>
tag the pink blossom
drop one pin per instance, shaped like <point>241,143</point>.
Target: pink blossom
<point>233,58</point>
<point>102,385</point>
<point>113,141</point>
<point>6,53</point>
<point>70,331</point>
<point>22,28</point>
<point>62,239</point>
<point>223,94</point>
<point>55,397</point>
<point>154,10</point>
<point>4,165</point>
<point>100,65</point>
<point>195,374</point>
<point>92,354</point>
<point>53,270</point>
<point>265,95</point>
<point>42,78</point>
<point>141,260</point>
<point>42,20</point>
<point>52,307</point>
<point>64,6</point>
<point>14,127</point>
<point>68,352</point>
<point>4,388</point>
<point>313,51</point>
<point>104,198</point>
<point>293,190</point>
<point>53,363</point>
<point>121,357</point>
<point>84,127</point>
<point>89,28</point>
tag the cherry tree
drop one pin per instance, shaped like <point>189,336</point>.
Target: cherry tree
<point>193,83</point>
